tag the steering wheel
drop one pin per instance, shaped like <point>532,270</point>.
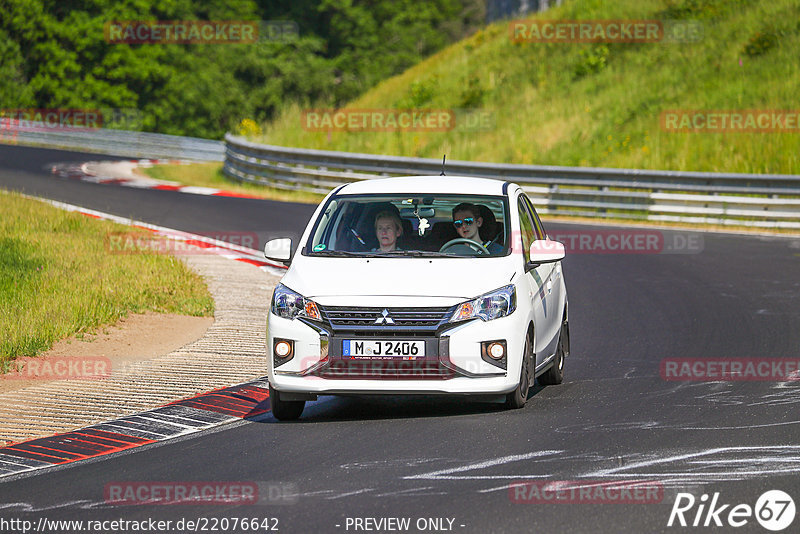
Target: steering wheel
<point>480,249</point>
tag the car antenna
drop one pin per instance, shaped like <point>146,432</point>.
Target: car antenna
<point>444,156</point>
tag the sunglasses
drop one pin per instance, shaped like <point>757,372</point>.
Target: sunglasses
<point>466,220</point>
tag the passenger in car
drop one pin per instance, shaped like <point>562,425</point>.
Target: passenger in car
<point>388,227</point>
<point>467,220</point>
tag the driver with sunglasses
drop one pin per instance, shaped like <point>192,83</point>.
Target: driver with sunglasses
<point>467,221</point>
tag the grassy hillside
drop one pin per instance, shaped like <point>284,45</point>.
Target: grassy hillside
<point>597,104</point>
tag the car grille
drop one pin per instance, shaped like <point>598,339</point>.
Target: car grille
<point>396,319</point>
<point>382,369</point>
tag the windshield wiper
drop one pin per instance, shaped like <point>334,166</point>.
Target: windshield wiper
<point>424,253</point>
<point>340,253</point>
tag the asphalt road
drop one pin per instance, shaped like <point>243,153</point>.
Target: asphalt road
<point>28,170</point>
<point>436,460</point>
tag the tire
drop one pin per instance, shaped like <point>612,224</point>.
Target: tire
<point>517,398</point>
<point>555,375</point>
<point>284,410</point>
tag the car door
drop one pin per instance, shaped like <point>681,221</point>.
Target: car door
<point>540,282</point>
<point>556,288</point>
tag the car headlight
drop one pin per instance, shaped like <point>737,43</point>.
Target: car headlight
<point>290,304</point>
<point>492,305</point>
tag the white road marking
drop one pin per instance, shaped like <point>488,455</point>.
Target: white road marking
<point>699,467</point>
<point>28,507</point>
<point>742,427</point>
<point>350,493</point>
<point>413,492</point>
<point>786,464</point>
<point>496,488</point>
<point>443,474</point>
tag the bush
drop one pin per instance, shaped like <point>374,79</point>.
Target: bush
<point>591,61</point>
<point>760,43</point>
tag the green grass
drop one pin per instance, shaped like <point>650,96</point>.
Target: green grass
<point>58,278</point>
<point>210,175</point>
<point>593,104</point>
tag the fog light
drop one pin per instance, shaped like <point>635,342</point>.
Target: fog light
<point>282,349</point>
<point>497,351</point>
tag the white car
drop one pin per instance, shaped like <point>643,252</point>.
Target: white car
<point>384,295</point>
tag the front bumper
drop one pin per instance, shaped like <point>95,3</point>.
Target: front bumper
<point>452,364</point>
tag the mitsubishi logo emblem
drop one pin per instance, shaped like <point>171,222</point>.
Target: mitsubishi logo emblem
<point>384,318</point>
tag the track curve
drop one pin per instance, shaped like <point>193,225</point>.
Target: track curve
<point>614,418</point>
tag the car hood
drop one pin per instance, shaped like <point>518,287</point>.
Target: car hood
<point>449,278</point>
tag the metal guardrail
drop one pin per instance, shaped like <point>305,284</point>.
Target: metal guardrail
<point>757,200</point>
<point>502,9</point>
<point>115,142</point>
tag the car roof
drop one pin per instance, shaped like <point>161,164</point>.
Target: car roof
<point>425,184</point>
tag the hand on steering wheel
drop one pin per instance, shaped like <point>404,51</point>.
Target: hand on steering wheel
<point>464,241</point>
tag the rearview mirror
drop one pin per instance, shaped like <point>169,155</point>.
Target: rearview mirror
<point>279,250</point>
<point>407,213</point>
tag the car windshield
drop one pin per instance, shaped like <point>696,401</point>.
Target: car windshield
<point>406,225</point>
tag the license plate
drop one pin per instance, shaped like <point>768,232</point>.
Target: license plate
<point>370,348</point>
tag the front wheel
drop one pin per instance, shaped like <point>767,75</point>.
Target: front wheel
<point>284,410</point>
<point>517,398</point>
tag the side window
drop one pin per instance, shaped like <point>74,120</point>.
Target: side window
<point>341,238</point>
<point>540,233</point>
<point>527,230</point>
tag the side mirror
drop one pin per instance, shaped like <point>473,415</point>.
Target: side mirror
<point>545,251</point>
<point>279,250</point>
